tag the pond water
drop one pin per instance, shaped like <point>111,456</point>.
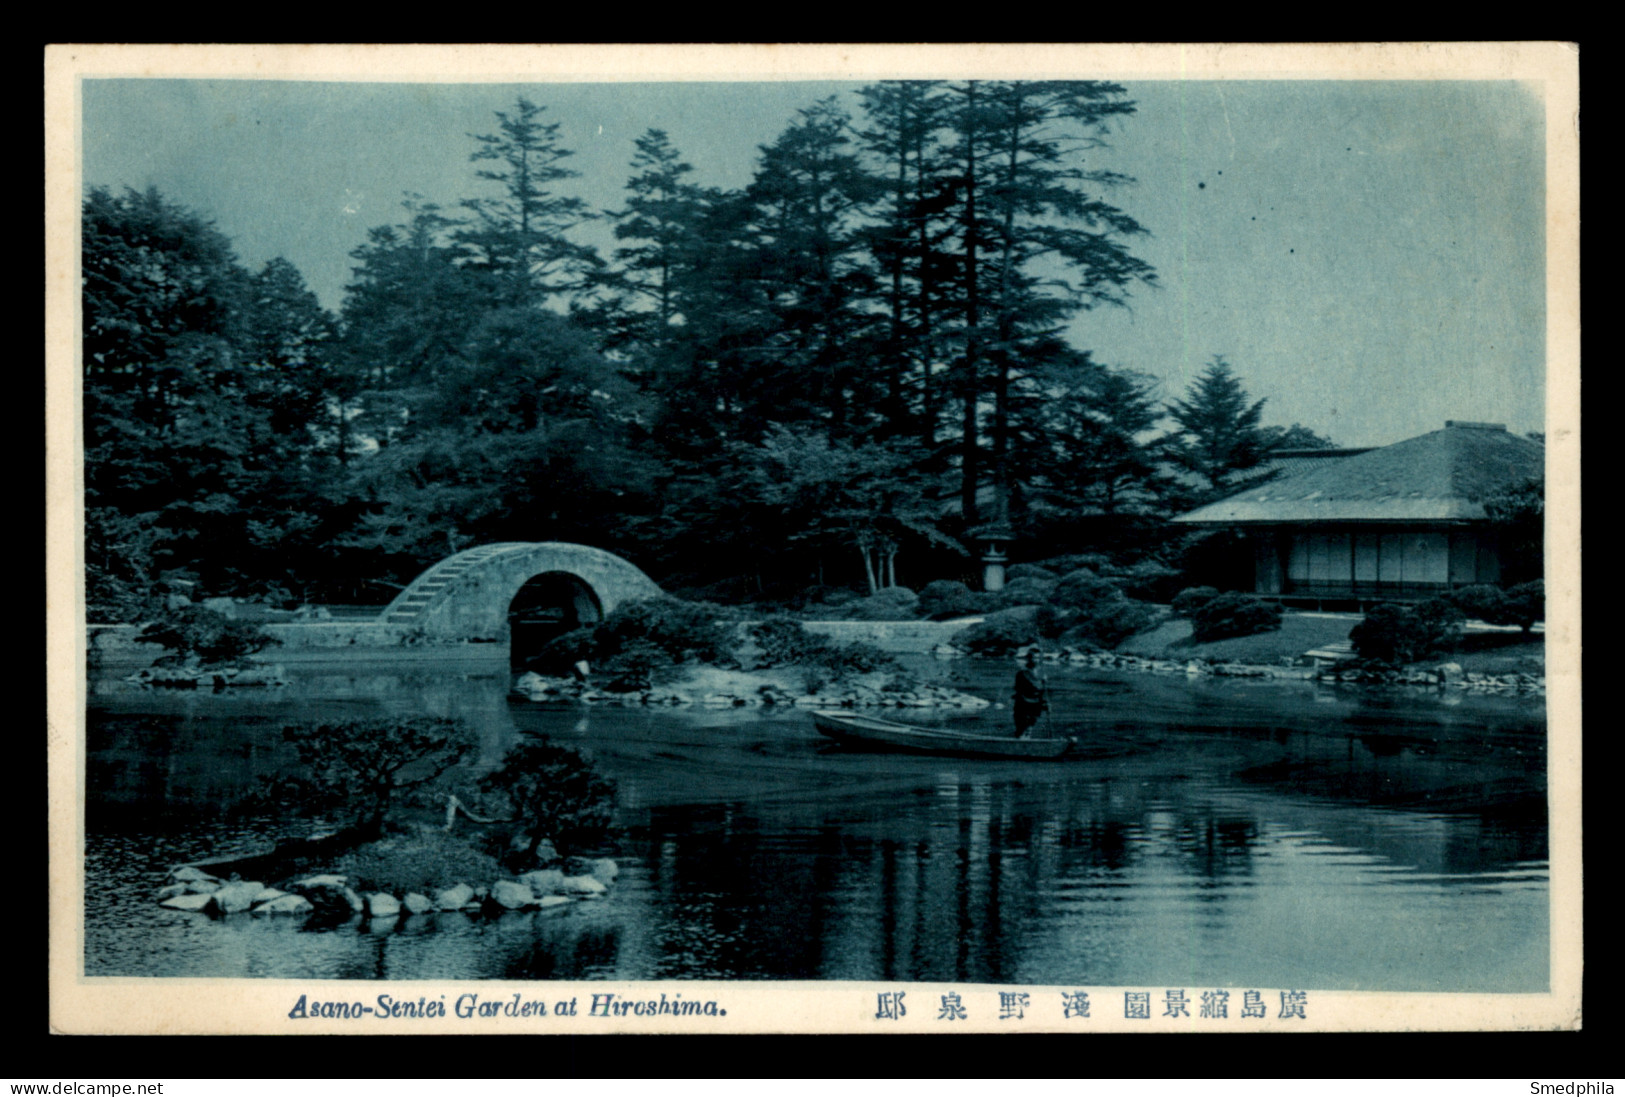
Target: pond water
<point>1240,833</point>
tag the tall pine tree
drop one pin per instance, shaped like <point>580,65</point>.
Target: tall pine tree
<point>1219,435</point>
<point>517,239</point>
<point>1037,242</point>
<point>905,121</point>
<point>808,199</point>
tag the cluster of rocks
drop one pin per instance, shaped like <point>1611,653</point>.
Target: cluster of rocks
<point>1111,660</point>
<point>856,695</point>
<point>195,890</point>
<point>200,677</point>
<point>1446,675</point>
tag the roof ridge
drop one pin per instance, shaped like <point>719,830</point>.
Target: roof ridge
<point>1442,475</point>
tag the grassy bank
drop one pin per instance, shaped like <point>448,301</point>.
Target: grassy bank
<point>1500,653</point>
<point>1478,652</point>
<point>1298,633</point>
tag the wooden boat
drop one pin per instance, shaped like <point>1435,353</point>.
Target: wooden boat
<point>872,733</point>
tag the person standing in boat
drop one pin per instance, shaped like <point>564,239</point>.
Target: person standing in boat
<point>1032,696</point>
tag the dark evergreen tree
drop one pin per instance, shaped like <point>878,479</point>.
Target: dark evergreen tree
<point>521,438</point>
<point>661,217</point>
<point>1093,452</point>
<point>907,244</point>
<point>801,507</point>
<point>406,314</point>
<point>518,241</point>
<point>1297,436</point>
<point>1518,520</point>
<point>807,201</point>
<point>1036,243</point>
<point>708,371</point>
<point>208,433</point>
<point>875,305</point>
<point>160,285</point>
<point>1219,435</point>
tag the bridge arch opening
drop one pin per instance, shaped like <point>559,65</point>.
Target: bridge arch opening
<point>546,607</point>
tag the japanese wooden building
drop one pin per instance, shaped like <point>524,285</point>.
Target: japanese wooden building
<point>1402,522</point>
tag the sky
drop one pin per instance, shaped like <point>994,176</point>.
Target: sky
<point>1368,256</point>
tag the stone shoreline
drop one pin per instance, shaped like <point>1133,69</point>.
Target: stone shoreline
<point>907,637</point>
<point>714,688</point>
<point>192,889</point>
<point>1440,676</point>
<point>197,677</point>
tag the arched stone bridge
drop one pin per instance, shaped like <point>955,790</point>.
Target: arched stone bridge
<point>469,596</point>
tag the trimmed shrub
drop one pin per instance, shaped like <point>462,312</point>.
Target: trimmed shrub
<point>1146,580</point>
<point>946,598</point>
<point>1025,592</point>
<point>1081,590</point>
<point>1049,622</point>
<point>686,632</point>
<point>1111,622</point>
<point>855,658</point>
<point>1061,565</point>
<point>559,653</point>
<point>1485,602</point>
<point>1189,600</point>
<point>635,644</point>
<point>1229,615</point>
<point>827,603</point>
<point>1085,609</point>
<point>886,604</point>
<point>637,666</point>
<point>781,638</point>
<point>1526,604</point>
<point>1388,633</point>
<point>357,767</point>
<point>555,793</point>
<point>423,862</point>
<point>784,642</point>
<point>1029,571</point>
<point>1442,621</point>
<point>1522,605</point>
<point>1000,633</point>
<point>1403,634</point>
<point>210,637</point>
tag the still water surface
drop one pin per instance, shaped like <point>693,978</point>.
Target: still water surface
<point>1239,834</point>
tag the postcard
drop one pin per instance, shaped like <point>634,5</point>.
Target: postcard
<point>828,539</point>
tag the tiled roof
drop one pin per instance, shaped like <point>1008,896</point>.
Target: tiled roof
<point>1291,461</point>
<point>1441,476</point>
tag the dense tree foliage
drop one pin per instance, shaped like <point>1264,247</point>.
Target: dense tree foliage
<point>829,376</point>
<point>555,793</point>
<point>210,428</point>
<point>1518,520</point>
<point>358,766</point>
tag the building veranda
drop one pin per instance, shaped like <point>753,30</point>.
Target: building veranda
<point>1399,523</point>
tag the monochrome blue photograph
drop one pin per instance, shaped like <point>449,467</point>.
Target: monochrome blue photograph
<point>1069,533</point>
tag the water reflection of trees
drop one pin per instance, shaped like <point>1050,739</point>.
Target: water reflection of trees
<point>967,884</point>
<point>976,872</point>
<point>951,890</point>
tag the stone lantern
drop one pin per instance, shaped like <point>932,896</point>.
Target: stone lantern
<point>995,538</point>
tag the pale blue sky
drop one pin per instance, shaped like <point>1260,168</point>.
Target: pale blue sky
<point>1369,256</point>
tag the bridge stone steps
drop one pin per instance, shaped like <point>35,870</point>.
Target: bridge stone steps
<point>416,598</point>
